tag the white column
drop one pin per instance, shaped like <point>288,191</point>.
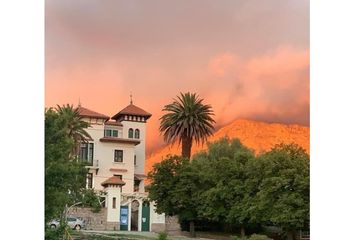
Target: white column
<point>140,214</point>
<point>113,214</point>
<point>130,215</point>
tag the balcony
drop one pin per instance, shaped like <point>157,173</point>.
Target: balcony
<point>93,164</point>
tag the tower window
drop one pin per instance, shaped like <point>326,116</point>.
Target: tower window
<point>118,155</point>
<point>137,133</point>
<point>114,203</point>
<point>131,132</point>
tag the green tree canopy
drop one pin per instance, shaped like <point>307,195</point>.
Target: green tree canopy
<point>278,186</point>
<point>65,178</point>
<point>222,170</point>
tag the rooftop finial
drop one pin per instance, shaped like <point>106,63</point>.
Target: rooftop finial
<point>131,98</point>
<point>79,105</point>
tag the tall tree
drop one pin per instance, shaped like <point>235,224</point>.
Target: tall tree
<point>187,120</point>
<point>222,172</point>
<point>173,188</point>
<point>64,178</point>
<point>280,187</point>
<point>74,126</point>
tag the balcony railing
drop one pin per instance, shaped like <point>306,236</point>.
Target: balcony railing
<point>91,164</point>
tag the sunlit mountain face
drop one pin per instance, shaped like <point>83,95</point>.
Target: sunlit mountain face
<point>259,136</point>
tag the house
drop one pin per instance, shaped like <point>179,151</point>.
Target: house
<point>115,158</point>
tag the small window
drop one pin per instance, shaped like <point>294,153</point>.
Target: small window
<point>114,203</point>
<point>137,133</point>
<point>89,180</point>
<point>118,155</point>
<point>134,160</point>
<point>119,176</point>
<point>108,133</point>
<point>136,185</point>
<point>131,132</point>
<point>115,133</point>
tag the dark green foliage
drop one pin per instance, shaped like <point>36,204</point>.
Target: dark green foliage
<point>229,185</point>
<point>64,175</point>
<point>166,187</point>
<point>89,198</point>
<point>54,234</point>
<point>280,183</point>
<point>162,236</point>
<point>258,237</point>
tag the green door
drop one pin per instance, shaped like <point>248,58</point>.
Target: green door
<point>145,218</point>
<point>124,218</point>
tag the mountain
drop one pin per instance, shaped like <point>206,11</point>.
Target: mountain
<point>256,135</point>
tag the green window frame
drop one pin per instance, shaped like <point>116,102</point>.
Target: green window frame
<point>130,133</point>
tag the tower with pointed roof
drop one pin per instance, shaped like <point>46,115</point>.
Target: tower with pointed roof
<point>134,119</point>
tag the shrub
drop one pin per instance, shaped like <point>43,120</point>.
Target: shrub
<point>162,236</point>
<point>238,238</point>
<point>259,237</point>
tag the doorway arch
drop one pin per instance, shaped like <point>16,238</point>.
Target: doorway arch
<point>134,219</point>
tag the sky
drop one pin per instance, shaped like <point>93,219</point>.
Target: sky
<point>247,58</point>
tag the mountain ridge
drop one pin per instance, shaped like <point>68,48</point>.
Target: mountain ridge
<point>257,135</point>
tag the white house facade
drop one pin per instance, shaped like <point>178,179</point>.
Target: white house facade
<point>115,157</point>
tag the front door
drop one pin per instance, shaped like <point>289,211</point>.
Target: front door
<point>145,218</point>
<point>124,218</point>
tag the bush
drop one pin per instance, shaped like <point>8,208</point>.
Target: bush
<point>259,237</point>
<point>252,237</point>
<point>238,238</point>
<point>162,236</point>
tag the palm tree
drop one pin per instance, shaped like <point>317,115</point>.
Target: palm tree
<point>75,126</point>
<point>187,120</point>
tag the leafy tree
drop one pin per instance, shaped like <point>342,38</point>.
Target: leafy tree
<point>64,177</point>
<point>187,120</point>
<point>173,187</point>
<point>278,184</point>
<point>222,170</point>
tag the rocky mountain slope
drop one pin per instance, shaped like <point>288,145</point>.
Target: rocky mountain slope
<point>257,135</point>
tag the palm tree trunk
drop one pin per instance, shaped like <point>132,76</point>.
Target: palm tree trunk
<point>186,147</point>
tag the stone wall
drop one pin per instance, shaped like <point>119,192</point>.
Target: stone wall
<point>94,221</point>
<point>172,225</point>
<point>158,227</point>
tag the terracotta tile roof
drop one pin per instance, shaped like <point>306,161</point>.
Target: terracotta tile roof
<point>84,112</point>
<point>113,123</point>
<point>113,181</point>
<point>132,110</point>
<point>118,170</point>
<point>140,176</point>
<point>119,140</point>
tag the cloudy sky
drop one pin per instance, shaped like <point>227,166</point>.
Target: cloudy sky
<point>247,58</point>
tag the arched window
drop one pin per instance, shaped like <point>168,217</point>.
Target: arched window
<point>131,132</point>
<point>137,133</point>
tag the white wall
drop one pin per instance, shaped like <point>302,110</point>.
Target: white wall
<point>104,153</point>
<point>113,213</point>
<point>140,148</point>
<point>154,216</point>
